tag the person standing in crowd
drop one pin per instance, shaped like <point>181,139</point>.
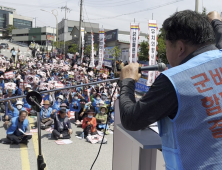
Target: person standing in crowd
<point>185,100</point>
<point>17,127</point>
<point>13,53</point>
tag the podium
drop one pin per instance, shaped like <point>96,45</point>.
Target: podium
<point>135,150</point>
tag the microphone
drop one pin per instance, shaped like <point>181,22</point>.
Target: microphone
<point>158,67</point>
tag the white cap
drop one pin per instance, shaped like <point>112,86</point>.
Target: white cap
<point>28,86</point>
<point>19,102</point>
<point>61,97</point>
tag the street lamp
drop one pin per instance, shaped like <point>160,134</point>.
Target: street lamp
<point>52,12</point>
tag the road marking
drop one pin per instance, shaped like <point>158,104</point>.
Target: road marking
<point>34,136</point>
<point>35,139</point>
<point>24,157</point>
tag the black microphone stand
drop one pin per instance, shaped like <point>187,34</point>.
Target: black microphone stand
<point>40,160</point>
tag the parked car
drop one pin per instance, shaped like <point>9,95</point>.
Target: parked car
<point>4,45</point>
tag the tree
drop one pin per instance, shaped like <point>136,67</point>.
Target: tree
<point>88,49</point>
<point>73,49</point>
<point>144,51</point>
<point>9,29</point>
<point>204,11</point>
<point>115,52</point>
<point>162,47</point>
<point>162,51</point>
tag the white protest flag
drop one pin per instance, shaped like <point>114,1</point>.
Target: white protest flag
<point>134,41</point>
<point>101,47</point>
<point>83,42</point>
<point>152,50</point>
<point>92,52</point>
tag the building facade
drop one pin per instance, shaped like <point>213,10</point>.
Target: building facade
<point>8,16</point>
<point>42,35</point>
<point>65,28</point>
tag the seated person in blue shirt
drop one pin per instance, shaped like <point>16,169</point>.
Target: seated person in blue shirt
<point>57,103</point>
<point>45,96</point>
<point>62,126</point>
<point>15,126</point>
<point>46,115</point>
<point>104,98</point>
<point>79,116</point>
<point>75,105</point>
<point>15,110</point>
<point>96,102</point>
<point>84,95</point>
<point>27,89</point>
<point>9,108</point>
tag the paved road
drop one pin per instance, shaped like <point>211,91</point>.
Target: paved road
<point>6,52</point>
<point>76,156</point>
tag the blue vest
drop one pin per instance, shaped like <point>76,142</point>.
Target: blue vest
<point>48,113</point>
<point>26,105</point>
<point>56,106</point>
<point>14,125</point>
<point>86,97</point>
<point>193,139</point>
<point>77,104</point>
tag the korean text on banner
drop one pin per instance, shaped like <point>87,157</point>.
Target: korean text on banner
<point>101,47</point>
<point>83,42</point>
<point>152,50</point>
<point>92,51</point>
<point>134,41</point>
<point>9,75</point>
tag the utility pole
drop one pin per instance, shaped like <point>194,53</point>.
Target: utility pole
<point>196,5</point>
<point>35,22</point>
<point>66,10</point>
<point>80,26</point>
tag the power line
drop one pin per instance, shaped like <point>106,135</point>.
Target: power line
<point>93,2</point>
<point>66,9</point>
<point>115,5</point>
<point>88,17</point>
<point>159,6</point>
<point>36,6</point>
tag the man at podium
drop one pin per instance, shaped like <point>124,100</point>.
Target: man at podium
<point>186,99</point>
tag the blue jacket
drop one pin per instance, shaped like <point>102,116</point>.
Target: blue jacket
<point>193,139</point>
<point>14,125</point>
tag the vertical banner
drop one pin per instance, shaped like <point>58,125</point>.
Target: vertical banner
<point>83,42</point>
<point>134,42</point>
<point>92,51</point>
<point>101,47</point>
<point>152,50</point>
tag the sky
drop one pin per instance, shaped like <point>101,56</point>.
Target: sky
<point>110,14</point>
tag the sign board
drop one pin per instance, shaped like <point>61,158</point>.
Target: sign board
<point>111,35</point>
<point>50,37</point>
<point>107,55</point>
<point>141,85</point>
<point>7,9</point>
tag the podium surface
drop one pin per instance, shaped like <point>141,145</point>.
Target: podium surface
<point>146,139</point>
<point>135,150</point>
